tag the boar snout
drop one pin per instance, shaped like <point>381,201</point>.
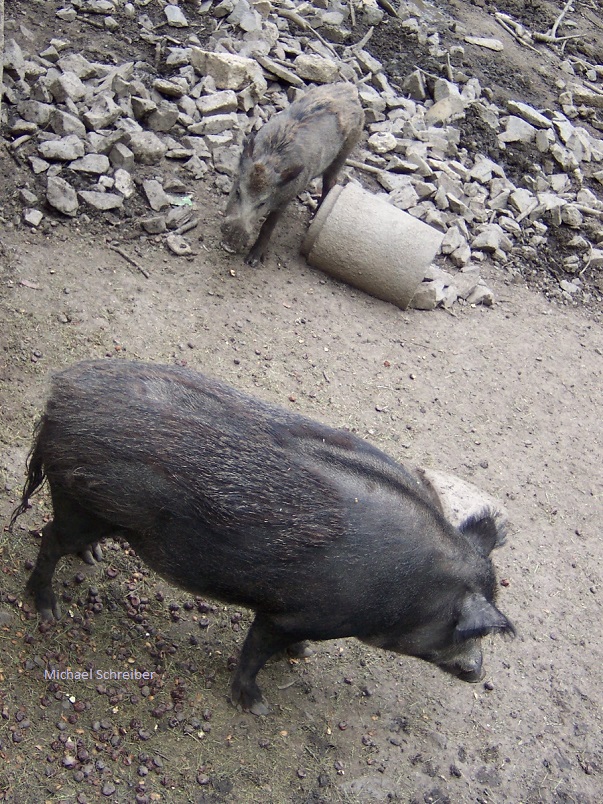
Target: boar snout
<point>235,235</point>
<point>466,666</point>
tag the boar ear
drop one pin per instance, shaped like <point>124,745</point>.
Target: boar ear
<point>291,173</point>
<point>248,145</point>
<point>478,617</point>
<point>486,530</point>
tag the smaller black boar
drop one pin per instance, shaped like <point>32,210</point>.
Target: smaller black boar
<point>312,137</point>
<point>320,533</point>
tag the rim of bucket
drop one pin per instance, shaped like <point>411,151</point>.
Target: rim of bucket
<point>319,219</point>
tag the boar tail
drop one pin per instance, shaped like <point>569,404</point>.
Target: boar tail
<point>35,475</point>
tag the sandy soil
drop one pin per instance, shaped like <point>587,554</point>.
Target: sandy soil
<point>507,397</point>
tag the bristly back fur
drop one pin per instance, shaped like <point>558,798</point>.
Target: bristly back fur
<point>258,179</point>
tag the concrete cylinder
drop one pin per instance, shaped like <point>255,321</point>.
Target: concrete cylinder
<point>367,242</point>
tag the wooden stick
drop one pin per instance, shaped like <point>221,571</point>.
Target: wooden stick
<point>129,259</point>
<point>559,19</point>
<point>305,26</point>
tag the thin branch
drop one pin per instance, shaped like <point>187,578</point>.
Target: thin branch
<point>559,19</point>
<point>129,259</point>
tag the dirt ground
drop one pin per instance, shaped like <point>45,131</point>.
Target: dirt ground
<point>507,397</point>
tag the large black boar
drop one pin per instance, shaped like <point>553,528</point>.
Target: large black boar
<point>313,137</point>
<point>320,533</point>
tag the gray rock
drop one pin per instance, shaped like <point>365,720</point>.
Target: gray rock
<point>32,217</point>
<point>61,196</point>
<point>147,148</point>
<point>317,69</point>
<point>103,113</point>
<point>171,89</point>
<point>461,256</point>
<point>229,71</point>
<point>64,149</point>
<point>595,258</point>
<point>35,112</point>
<point>382,142</point>
<point>452,240</point>
<point>517,130</point>
<point>178,245</point>
<point>404,197</point>
<point>64,123</point>
<point>198,145</point>
<point>529,114</point>
<point>428,295</point>
<point>156,195</point>
<point>215,124</point>
<point>142,107</point>
<point>27,197</point>
<point>279,71</point>
<point>13,59</point>
<point>91,163</point>
<point>481,295</point>
<point>564,157</point>
<point>222,102</point>
<point>102,201</point>
<point>175,17</point>
<point>178,216</point>
<point>414,85</point>
<point>444,109</point>
<point>571,216</point>
<point>226,160</point>
<point>178,56</point>
<point>67,85</point>
<point>67,14</point>
<point>523,200</point>
<point>154,225</point>
<point>491,238</point>
<point>196,167</point>
<point>121,156</point>
<point>38,165</point>
<point>102,143</point>
<point>124,183</point>
<point>164,118</point>
<point>78,65</point>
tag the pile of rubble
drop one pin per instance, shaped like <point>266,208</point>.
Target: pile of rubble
<point>71,117</point>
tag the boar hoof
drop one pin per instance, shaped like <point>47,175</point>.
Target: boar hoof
<point>259,708</point>
<point>252,259</point>
<point>300,650</point>
<point>248,698</point>
<point>92,554</point>
<point>46,603</point>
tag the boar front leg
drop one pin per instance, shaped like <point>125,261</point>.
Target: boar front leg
<point>263,640</point>
<point>256,252</point>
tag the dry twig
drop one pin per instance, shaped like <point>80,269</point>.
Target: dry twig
<point>305,26</point>
<point>129,259</point>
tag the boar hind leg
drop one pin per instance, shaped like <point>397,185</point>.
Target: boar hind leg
<point>263,641</point>
<point>256,253</point>
<point>69,532</point>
